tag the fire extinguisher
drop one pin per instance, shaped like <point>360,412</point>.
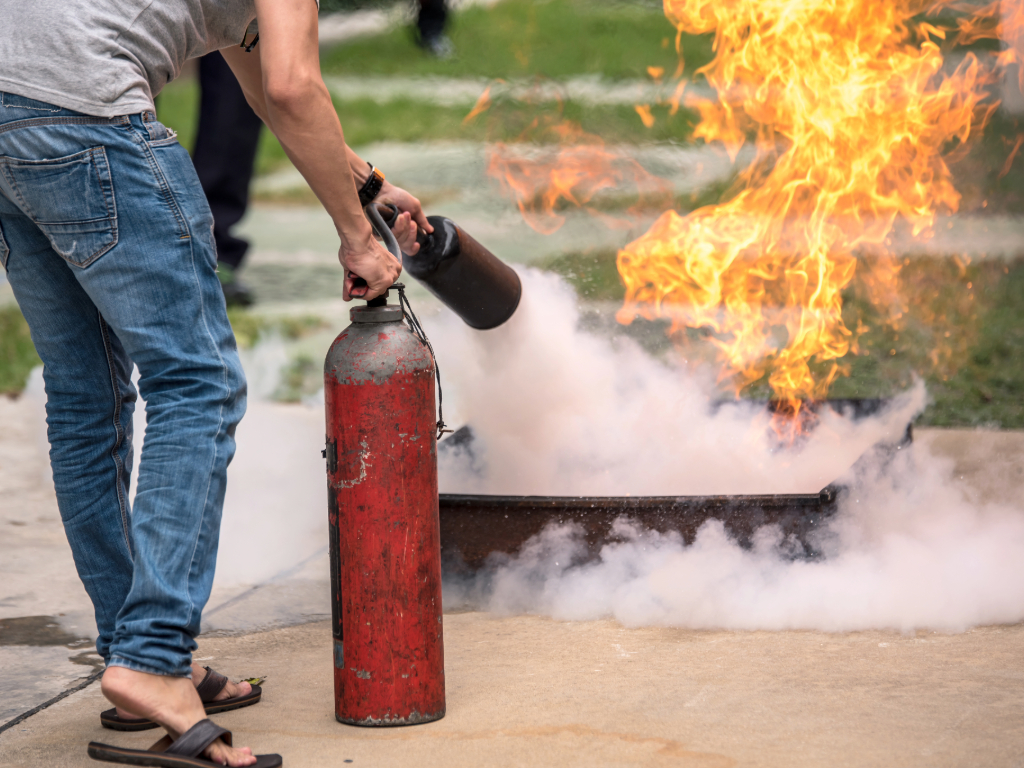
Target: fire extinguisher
<point>385,547</point>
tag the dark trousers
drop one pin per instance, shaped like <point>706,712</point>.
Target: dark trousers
<point>432,18</point>
<point>226,142</point>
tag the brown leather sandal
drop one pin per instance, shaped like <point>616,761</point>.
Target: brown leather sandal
<point>212,685</point>
<point>184,752</point>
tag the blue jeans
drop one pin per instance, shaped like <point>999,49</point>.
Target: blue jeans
<point>107,241</point>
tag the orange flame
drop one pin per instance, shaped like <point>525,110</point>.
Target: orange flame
<point>850,113</point>
<point>483,103</point>
<point>1000,20</point>
<point>574,172</point>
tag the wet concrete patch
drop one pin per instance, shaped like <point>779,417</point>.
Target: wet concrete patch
<point>38,630</point>
<point>40,657</point>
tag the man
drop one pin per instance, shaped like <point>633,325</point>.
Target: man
<point>107,241</point>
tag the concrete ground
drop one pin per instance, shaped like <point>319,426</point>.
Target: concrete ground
<point>531,691</point>
<point>525,690</point>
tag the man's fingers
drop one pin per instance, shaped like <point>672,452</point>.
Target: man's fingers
<point>358,287</point>
<point>405,232</point>
<point>368,272</point>
<point>421,219</point>
<point>355,287</point>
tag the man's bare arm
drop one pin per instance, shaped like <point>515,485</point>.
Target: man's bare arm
<point>282,82</point>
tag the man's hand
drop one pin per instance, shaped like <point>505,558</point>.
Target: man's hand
<point>372,263</point>
<point>410,218</point>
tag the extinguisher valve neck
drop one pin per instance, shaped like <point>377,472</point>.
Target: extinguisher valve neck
<point>387,313</point>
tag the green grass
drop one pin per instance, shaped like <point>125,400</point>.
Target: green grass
<point>990,175</point>
<point>525,38</point>
<point>250,326</point>
<point>366,121</point>
<point>592,273</point>
<point>403,120</point>
<point>302,377</point>
<point>989,389</point>
<point>513,39</point>
<point>17,354</point>
<point>177,107</point>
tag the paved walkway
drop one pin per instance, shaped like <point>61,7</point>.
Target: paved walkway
<point>522,690</point>
<point>342,26</point>
<point>592,90</point>
<point>526,691</point>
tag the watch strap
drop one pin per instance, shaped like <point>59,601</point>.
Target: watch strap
<point>372,186</point>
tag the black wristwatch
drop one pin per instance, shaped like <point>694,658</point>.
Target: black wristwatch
<point>372,187</point>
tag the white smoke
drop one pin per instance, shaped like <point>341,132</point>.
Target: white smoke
<point>907,550</point>
<point>556,410</point>
<point>561,412</point>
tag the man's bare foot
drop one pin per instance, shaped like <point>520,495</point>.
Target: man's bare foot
<point>198,674</point>
<point>170,701</point>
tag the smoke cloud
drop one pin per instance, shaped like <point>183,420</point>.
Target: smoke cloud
<point>907,550</point>
<point>557,410</point>
<point>561,412</point>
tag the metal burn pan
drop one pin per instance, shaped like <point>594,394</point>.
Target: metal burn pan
<point>475,526</point>
<point>472,527</point>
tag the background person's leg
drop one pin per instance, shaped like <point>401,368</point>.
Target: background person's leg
<point>89,406</point>
<point>430,24</point>
<point>227,138</point>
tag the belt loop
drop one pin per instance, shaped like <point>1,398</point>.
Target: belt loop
<point>148,118</point>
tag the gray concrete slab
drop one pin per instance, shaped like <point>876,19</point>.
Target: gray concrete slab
<point>531,691</point>
<point>930,700</point>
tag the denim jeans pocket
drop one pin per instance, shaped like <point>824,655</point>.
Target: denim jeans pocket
<point>159,134</point>
<point>187,192</point>
<point>71,199</point>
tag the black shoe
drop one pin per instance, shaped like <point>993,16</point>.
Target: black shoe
<point>438,46</point>
<point>236,293</point>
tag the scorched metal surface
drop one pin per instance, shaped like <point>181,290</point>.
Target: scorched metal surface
<point>472,527</point>
<point>384,537</point>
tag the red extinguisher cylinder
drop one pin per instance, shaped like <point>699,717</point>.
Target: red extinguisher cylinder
<point>385,540</point>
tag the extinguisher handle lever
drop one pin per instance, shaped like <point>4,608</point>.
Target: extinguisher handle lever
<point>388,212</point>
<point>383,231</point>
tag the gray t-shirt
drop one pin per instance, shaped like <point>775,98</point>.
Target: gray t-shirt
<point>110,57</point>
